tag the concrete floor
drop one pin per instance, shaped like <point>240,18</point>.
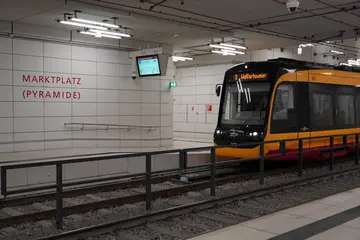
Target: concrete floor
<point>335,217</point>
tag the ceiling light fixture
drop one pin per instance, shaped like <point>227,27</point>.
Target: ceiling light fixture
<point>299,50</point>
<point>223,52</point>
<point>93,22</point>
<point>221,47</point>
<point>232,46</point>
<point>353,62</point>
<point>180,58</point>
<point>336,52</point>
<point>236,52</point>
<point>81,25</point>
<point>101,35</point>
<point>111,33</point>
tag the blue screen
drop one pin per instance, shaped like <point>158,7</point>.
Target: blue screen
<point>148,65</point>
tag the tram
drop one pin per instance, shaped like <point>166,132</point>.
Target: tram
<point>283,99</point>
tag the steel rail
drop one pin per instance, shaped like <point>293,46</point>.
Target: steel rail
<point>201,205</point>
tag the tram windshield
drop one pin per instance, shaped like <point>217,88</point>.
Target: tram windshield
<point>246,103</point>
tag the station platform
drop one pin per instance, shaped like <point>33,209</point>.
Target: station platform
<point>94,169</point>
<point>70,152</point>
<point>335,217</point>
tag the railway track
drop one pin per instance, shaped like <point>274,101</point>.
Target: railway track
<point>189,220</point>
<point>124,194</point>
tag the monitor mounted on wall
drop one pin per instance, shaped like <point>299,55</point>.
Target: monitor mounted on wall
<point>148,65</point>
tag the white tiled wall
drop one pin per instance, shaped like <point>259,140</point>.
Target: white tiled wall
<point>108,94</point>
<point>194,92</point>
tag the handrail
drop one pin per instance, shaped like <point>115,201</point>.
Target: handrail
<point>127,127</point>
<point>181,168</point>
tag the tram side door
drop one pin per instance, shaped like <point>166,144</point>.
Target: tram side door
<point>303,107</point>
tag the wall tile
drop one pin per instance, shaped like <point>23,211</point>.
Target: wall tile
<point>150,84</point>
<point>57,65</point>
<point>167,121</point>
<point>29,109</point>
<point>6,109</point>
<point>150,121</point>
<point>108,56</point>
<point>6,125</point>
<point>108,69</point>
<point>55,50</point>
<point>20,137</point>
<point>180,117</point>
<point>150,109</point>
<point>6,77</point>
<point>124,58</point>
<point>130,84</point>
<point>28,63</point>
<point>6,61</point>
<point>107,82</point>
<point>150,97</point>
<point>129,109</point>
<point>23,125</point>
<point>167,108</point>
<point>6,93</point>
<point>58,135</point>
<point>130,120</point>
<point>108,109</point>
<point>6,137</point>
<point>5,45</point>
<point>26,47</point>
<point>108,95</point>
<point>57,123</point>
<point>29,146</point>
<point>84,109</point>
<point>125,70</point>
<point>57,109</point>
<point>130,96</point>
<point>83,53</point>
<point>83,67</point>
<point>58,144</point>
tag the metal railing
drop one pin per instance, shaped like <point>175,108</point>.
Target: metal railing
<point>117,126</point>
<point>182,168</point>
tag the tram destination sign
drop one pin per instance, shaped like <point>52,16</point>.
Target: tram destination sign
<point>251,76</point>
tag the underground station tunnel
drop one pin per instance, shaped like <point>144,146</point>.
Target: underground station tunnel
<point>179,119</point>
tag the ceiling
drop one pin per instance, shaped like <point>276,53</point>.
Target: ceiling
<point>190,26</point>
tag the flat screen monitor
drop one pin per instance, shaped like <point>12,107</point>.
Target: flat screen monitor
<point>148,65</point>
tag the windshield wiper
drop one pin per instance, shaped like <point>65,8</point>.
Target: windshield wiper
<point>251,117</point>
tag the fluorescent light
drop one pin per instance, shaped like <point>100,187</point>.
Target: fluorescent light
<point>306,45</point>
<point>232,46</point>
<point>222,47</point>
<point>336,52</point>
<point>111,33</point>
<point>358,59</point>
<point>81,25</point>
<point>101,35</point>
<point>223,52</point>
<point>345,64</point>
<point>353,62</point>
<point>231,51</point>
<point>299,50</point>
<point>93,22</point>
<point>179,58</point>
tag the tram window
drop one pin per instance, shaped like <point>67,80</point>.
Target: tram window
<point>345,112</point>
<point>322,110</point>
<point>283,102</point>
<point>284,115</point>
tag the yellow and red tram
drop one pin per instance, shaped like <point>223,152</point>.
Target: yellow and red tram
<point>286,99</point>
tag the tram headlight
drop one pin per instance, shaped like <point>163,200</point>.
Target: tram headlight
<point>255,134</point>
<point>218,132</point>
